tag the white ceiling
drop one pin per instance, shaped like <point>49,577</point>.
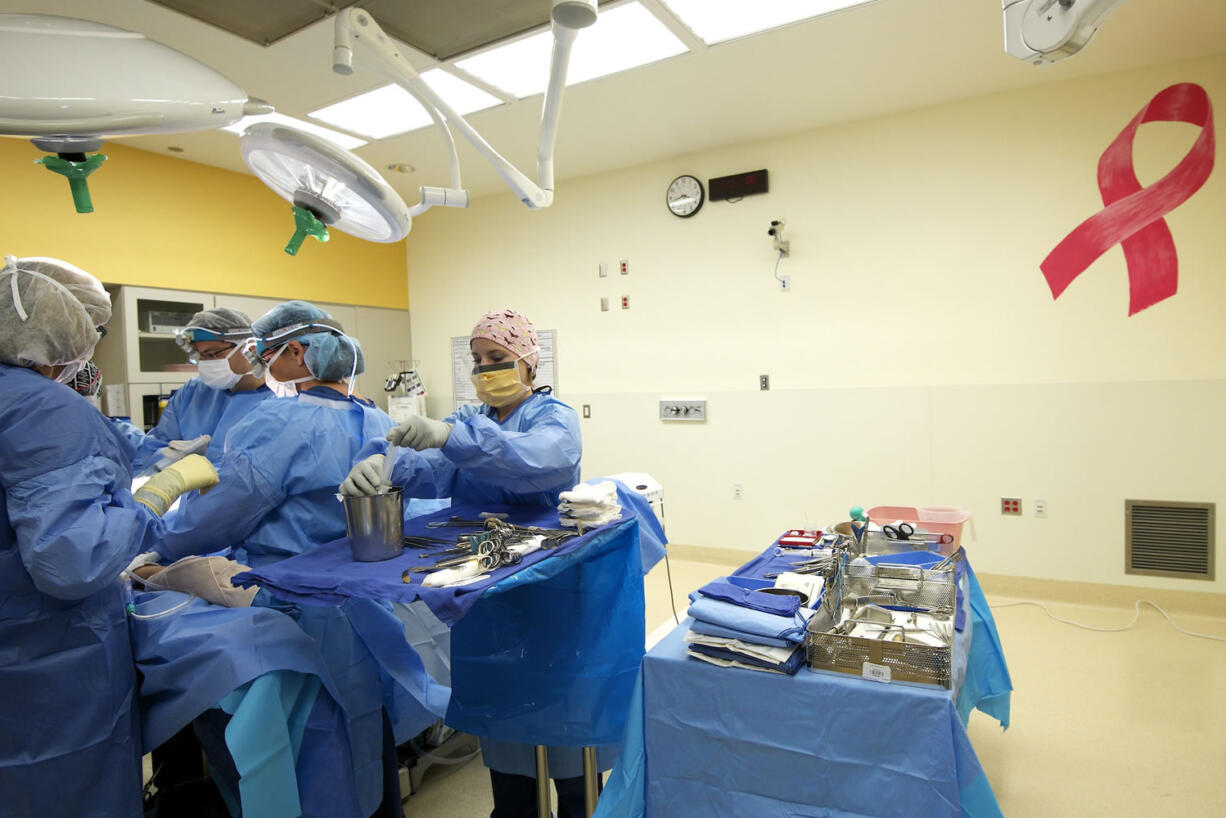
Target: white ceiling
<point>886,56</point>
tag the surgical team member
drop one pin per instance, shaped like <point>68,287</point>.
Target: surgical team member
<point>521,446</point>
<point>280,469</point>
<point>69,735</point>
<point>222,393</point>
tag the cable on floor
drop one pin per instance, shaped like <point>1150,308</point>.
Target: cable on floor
<point>668,568</point>
<point>1136,618</point>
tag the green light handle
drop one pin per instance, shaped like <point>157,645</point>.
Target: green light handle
<point>305,224</point>
<point>856,514</point>
<point>75,173</point>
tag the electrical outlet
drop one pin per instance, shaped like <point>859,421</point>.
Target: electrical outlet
<point>604,270</point>
<point>785,284</point>
<point>587,410</point>
<point>625,302</point>
<point>1040,508</point>
<point>604,303</point>
<point>683,409</point>
<point>738,491</point>
<point>624,265</point>
<point>1011,506</point>
<point>764,382</point>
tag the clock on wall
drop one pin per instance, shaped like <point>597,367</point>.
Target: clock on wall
<point>684,196</point>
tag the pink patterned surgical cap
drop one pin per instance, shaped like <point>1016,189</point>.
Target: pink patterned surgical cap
<point>509,329</point>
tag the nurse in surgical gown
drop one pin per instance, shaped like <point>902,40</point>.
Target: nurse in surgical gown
<point>520,446</point>
<point>279,474</point>
<point>69,735</point>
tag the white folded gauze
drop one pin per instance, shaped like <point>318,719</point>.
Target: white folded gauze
<point>602,493</point>
<point>207,578</point>
<point>585,512</point>
<point>591,522</point>
<point>446,576</point>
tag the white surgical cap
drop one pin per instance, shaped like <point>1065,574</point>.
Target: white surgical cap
<point>49,312</point>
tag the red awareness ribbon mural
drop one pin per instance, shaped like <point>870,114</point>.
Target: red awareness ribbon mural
<point>1133,214</point>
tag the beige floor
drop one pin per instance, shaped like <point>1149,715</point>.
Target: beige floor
<point>1118,724</point>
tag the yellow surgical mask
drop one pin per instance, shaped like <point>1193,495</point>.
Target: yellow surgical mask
<point>498,384</point>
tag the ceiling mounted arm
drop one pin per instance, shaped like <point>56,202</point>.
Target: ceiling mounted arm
<point>357,34</point>
<point>1044,31</point>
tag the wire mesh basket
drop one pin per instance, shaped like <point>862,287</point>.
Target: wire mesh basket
<point>888,655</point>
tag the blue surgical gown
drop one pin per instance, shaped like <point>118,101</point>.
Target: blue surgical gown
<point>277,497</point>
<point>69,734</point>
<point>526,460</point>
<point>193,410</point>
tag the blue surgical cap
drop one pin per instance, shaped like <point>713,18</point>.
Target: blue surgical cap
<point>330,352</point>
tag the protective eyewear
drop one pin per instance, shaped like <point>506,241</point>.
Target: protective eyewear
<point>186,337</point>
<point>285,334</point>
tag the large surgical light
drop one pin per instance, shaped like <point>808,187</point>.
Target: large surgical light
<point>1044,31</point>
<point>68,84</point>
<point>359,38</point>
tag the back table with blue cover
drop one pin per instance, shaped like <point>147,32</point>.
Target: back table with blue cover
<point>709,741</point>
<point>562,633</point>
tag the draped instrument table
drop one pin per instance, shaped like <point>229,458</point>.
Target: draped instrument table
<point>709,741</point>
<point>543,653</point>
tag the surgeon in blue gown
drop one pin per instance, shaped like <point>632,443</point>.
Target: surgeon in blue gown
<point>224,390</point>
<point>69,731</point>
<point>520,446</point>
<point>279,472</point>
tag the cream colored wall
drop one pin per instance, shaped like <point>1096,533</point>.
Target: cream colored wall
<point>919,359</point>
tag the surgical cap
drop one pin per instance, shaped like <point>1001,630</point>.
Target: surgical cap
<point>220,320</point>
<point>49,312</point>
<point>329,354</point>
<point>509,329</point>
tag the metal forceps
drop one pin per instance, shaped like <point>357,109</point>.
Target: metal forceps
<point>455,521</point>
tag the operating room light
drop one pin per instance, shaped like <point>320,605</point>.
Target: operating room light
<point>715,21</point>
<point>622,38</point>
<point>335,137</point>
<point>391,110</point>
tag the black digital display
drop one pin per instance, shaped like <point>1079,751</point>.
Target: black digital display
<point>737,185</point>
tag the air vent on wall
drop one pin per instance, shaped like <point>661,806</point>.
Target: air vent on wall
<point>1168,539</point>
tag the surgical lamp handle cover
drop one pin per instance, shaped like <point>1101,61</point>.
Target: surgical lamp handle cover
<point>76,174</point>
<point>305,224</point>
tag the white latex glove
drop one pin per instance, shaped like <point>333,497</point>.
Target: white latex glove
<point>419,433</point>
<point>147,558</point>
<point>176,449</point>
<point>364,478</point>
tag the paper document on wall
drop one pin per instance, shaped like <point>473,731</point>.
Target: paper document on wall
<point>462,388</point>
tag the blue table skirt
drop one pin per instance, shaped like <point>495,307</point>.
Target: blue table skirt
<point>551,655</point>
<point>709,741</point>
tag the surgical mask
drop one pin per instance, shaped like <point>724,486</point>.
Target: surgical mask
<point>217,374</point>
<point>498,384</point>
<point>70,370</point>
<point>282,389</point>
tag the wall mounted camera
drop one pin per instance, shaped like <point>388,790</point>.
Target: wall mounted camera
<point>776,232</point>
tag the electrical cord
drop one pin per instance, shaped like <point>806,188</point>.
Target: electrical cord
<point>1136,618</point>
<point>777,278</point>
<point>672,600</point>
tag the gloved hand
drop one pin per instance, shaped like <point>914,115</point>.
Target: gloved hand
<point>163,488</point>
<point>141,560</point>
<point>419,433</point>
<point>364,478</point>
<point>174,449</point>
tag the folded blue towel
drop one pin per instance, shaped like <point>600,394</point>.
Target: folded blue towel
<point>748,621</point>
<point>726,591</point>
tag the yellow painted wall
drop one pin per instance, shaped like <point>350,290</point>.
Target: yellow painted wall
<point>918,360</point>
<point>165,222</point>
